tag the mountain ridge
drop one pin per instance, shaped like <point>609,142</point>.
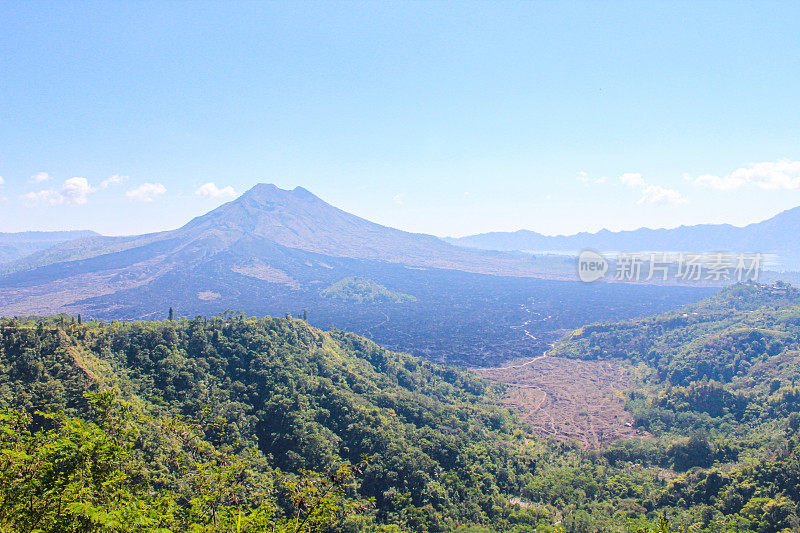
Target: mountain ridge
<point>779,235</point>
<point>14,246</point>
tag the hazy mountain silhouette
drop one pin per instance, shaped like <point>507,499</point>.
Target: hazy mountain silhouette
<point>15,246</point>
<point>778,235</point>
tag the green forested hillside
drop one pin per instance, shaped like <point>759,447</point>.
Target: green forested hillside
<point>241,424</point>
<point>185,425</point>
<point>719,401</point>
<point>301,398</point>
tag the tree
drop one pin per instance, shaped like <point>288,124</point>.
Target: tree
<point>171,314</point>
<point>696,452</point>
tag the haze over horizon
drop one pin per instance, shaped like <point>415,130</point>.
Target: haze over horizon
<point>290,189</point>
<point>447,119</point>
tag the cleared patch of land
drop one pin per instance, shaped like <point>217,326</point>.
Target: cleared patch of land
<point>568,398</point>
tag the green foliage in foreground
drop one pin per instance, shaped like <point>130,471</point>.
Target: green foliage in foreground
<point>241,424</point>
<point>284,397</point>
<point>64,474</point>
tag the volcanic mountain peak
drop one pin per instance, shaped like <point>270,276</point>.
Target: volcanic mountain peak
<point>269,193</point>
<point>294,218</point>
<point>300,220</point>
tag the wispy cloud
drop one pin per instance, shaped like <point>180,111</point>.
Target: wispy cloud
<point>146,192</point>
<point>398,198</point>
<point>783,174</point>
<point>658,195</point>
<point>74,191</point>
<point>2,181</point>
<point>210,190</point>
<point>632,179</point>
<point>652,194</point>
<point>584,178</point>
<point>40,177</point>
<point>48,196</point>
<point>113,180</point>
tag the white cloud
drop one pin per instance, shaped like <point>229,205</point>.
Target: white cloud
<point>783,174</point>
<point>584,178</point>
<point>39,177</point>
<point>398,198</point>
<point>632,179</point>
<point>75,190</point>
<point>49,196</point>
<point>146,192</point>
<point>716,182</point>
<point>651,194</point>
<point>2,181</point>
<point>658,195</point>
<point>210,190</point>
<point>113,180</point>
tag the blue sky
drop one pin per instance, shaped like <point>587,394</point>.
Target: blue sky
<point>444,118</point>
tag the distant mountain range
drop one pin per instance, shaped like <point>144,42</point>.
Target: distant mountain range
<point>779,235</point>
<point>15,246</point>
<point>287,238</point>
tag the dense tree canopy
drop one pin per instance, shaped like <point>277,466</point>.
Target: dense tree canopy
<point>238,424</point>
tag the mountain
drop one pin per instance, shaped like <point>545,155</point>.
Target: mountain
<point>295,220</point>
<point>273,251</point>
<point>779,235</point>
<point>15,246</point>
<point>268,234</point>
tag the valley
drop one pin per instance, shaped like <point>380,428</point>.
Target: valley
<point>683,413</point>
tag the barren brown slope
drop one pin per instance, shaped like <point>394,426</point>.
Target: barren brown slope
<point>569,398</point>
